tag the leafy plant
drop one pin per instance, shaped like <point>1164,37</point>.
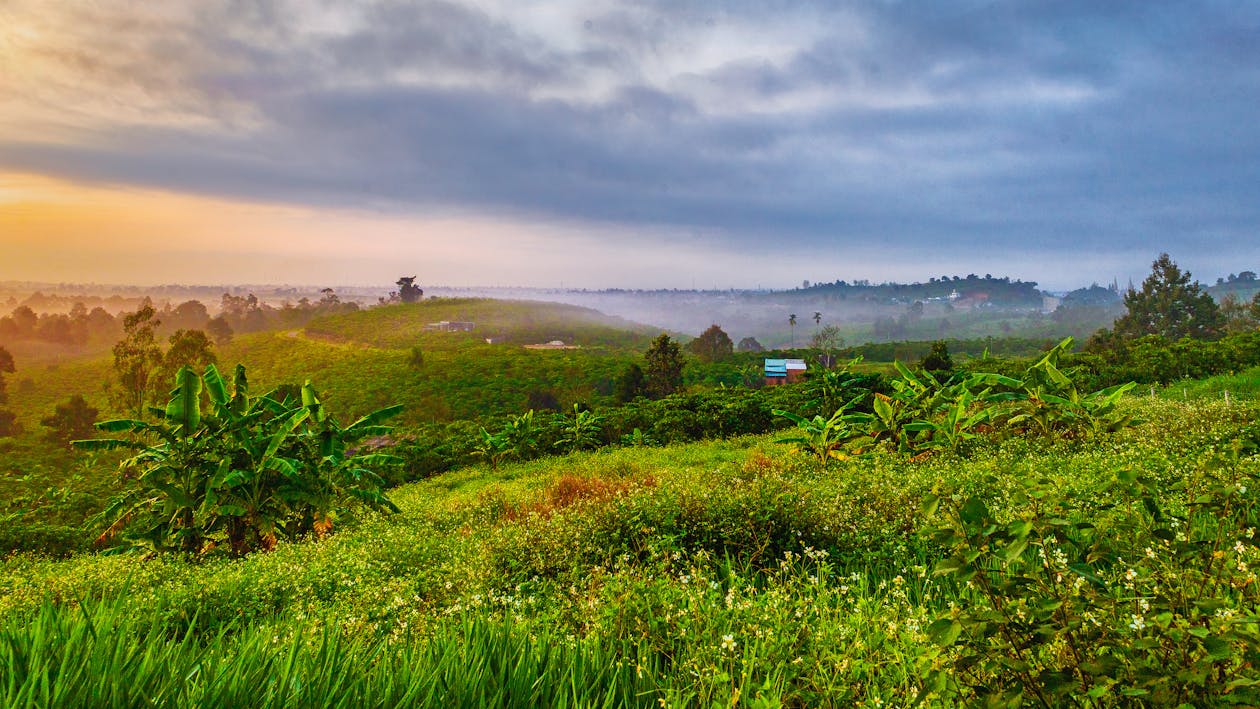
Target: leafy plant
<point>493,447</point>
<point>1159,610</point>
<point>826,438</point>
<point>258,469</point>
<point>581,432</point>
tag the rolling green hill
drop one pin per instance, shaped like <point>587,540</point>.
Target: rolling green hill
<point>505,321</point>
<point>733,572</point>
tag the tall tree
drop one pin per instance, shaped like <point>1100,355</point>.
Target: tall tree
<point>191,348</point>
<point>1170,305</point>
<point>6,367</point>
<point>71,420</point>
<point>408,291</point>
<point>631,384</point>
<point>938,359</point>
<point>713,345</point>
<point>8,420</point>
<point>664,367</point>
<point>792,324</point>
<point>827,339</point>
<point>220,330</point>
<point>136,357</point>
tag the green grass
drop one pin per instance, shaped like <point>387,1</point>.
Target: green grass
<point>589,570</point>
<point>402,326</point>
<point>1244,384</point>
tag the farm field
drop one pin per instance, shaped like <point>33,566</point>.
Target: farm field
<point>736,572</point>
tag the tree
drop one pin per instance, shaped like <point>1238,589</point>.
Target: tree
<point>827,339</point>
<point>938,359</point>
<point>1237,314</point>
<point>1169,305</point>
<point>71,420</point>
<point>817,318</point>
<point>750,344</point>
<point>189,348</point>
<point>713,345</point>
<point>792,324</point>
<point>664,367</point>
<point>408,291</point>
<point>6,367</point>
<point>631,384</point>
<point>219,330</point>
<point>136,357</point>
<point>8,420</point>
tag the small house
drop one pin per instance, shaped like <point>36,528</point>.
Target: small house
<point>784,371</point>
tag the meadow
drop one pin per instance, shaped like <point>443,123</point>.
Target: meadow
<point>1094,551</point>
<point>738,572</point>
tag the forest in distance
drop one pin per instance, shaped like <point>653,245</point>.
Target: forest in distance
<point>439,499</point>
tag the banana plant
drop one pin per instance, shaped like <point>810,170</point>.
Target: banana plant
<point>583,431</point>
<point>256,469</point>
<point>522,435</point>
<point>956,425</point>
<point>494,447</point>
<point>827,438</point>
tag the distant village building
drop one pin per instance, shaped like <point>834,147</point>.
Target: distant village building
<point>450,326</point>
<point>553,345</point>
<point>784,371</point>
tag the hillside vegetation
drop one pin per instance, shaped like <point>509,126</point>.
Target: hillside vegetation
<point>736,572</point>
<point>402,325</point>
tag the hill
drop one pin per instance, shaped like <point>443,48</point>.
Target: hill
<point>503,321</point>
<point>735,572</point>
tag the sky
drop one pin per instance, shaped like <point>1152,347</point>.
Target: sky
<point>650,143</point>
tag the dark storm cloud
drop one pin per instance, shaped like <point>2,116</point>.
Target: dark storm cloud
<point>977,125</point>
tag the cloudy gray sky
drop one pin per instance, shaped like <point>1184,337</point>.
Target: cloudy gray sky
<point>628,143</point>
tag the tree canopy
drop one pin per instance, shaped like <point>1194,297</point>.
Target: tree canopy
<point>408,291</point>
<point>713,345</point>
<point>664,367</point>
<point>1170,305</point>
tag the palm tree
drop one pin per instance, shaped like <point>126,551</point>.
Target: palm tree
<point>817,318</point>
<point>792,322</point>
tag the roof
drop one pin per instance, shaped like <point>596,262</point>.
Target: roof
<point>780,367</point>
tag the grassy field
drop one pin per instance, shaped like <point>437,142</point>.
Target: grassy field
<point>735,573</point>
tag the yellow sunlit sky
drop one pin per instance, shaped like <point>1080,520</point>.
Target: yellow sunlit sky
<point>625,144</point>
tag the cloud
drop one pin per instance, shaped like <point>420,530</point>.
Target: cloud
<point>930,128</point>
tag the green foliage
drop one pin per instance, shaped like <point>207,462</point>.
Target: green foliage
<point>70,420</point>
<point>827,438</point>
<point>1159,607</point>
<point>712,345</point>
<point>415,359</point>
<point>1169,305</point>
<point>6,367</point>
<point>938,359</point>
<point>219,330</point>
<point>258,469</point>
<point>631,384</point>
<point>582,432</point>
<point>727,571</point>
<point>9,425</point>
<point>923,413</point>
<point>136,358</point>
<point>664,367</point>
<point>188,348</point>
<point>494,448</point>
